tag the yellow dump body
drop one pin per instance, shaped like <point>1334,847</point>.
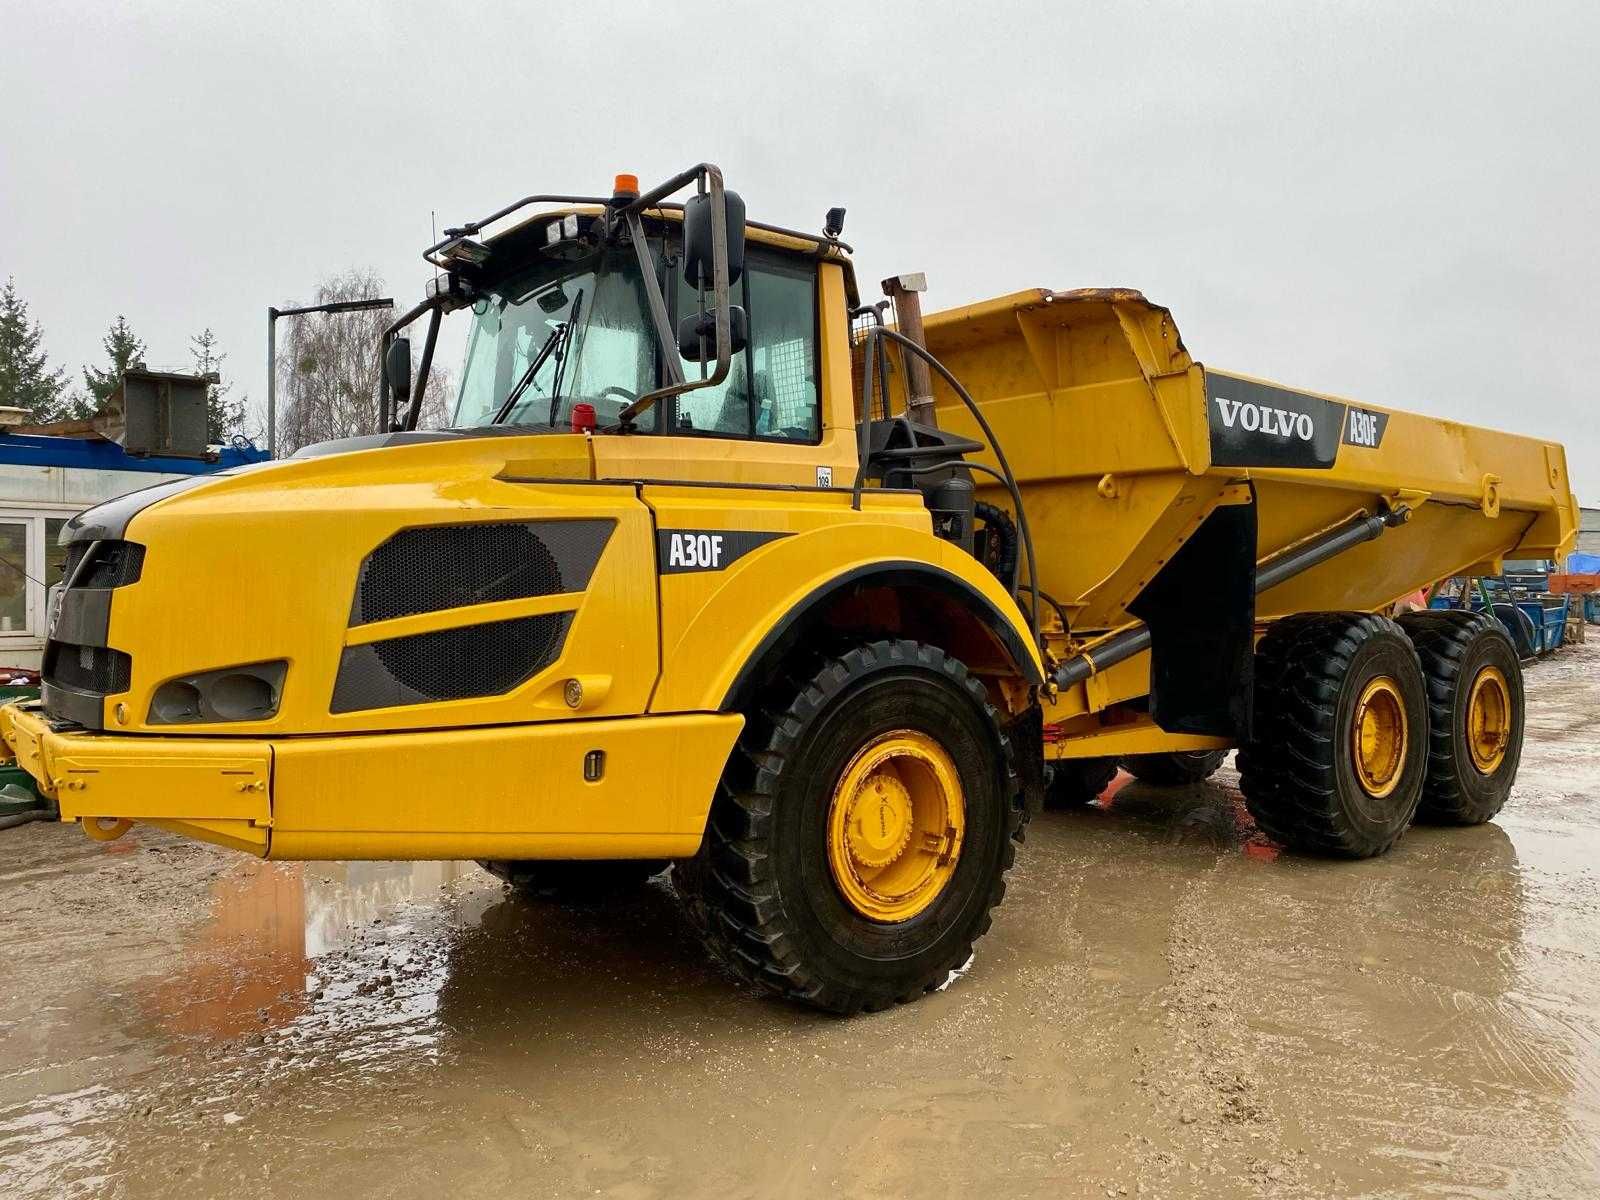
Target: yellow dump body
<point>1123,444</point>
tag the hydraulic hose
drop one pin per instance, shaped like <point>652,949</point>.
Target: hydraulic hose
<point>999,520</point>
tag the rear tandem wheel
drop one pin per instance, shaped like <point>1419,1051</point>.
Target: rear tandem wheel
<point>1175,768</point>
<point>1339,756</point>
<point>1075,782</point>
<point>1476,712</point>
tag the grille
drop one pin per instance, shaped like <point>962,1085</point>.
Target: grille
<point>115,564</point>
<point>87,668</point>
<point>452,566</point>
<point>450,664</point>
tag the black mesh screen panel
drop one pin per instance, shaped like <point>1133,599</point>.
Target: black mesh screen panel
<point>452,566</point>
<point>115,564</point>
<point>450,664</point>
<point>87,668</point>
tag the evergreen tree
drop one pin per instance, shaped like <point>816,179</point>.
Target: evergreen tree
<point>224,417</point>
<point>26,380</point>
<point>125,351</point>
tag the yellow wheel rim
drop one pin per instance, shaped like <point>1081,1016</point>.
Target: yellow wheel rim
<point>1378,736</point>
<point>895,826</point>
<point>1488,720</point>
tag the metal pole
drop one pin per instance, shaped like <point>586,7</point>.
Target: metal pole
<point>338,306</point>
<point>272,382</point>
<point>903,290</point>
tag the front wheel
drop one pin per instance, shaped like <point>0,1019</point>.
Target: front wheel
<point>861,833</point>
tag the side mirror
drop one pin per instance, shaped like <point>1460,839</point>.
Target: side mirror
<point>697,254</point>
<point>697,334</point>
<point>397,371</point>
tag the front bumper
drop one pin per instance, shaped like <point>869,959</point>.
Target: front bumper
<point>635,787</point>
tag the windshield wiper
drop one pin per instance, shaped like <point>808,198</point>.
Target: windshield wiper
<point>515,393</point>
<point>561,354</point>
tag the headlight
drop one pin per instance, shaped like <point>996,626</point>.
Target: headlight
<point>247,693</point>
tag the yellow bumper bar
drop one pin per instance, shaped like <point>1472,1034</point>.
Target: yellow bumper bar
<point>635,787</point>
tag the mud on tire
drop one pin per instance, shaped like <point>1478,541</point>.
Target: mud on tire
<point>1299,774</point>
<point>772,909</point>
<point>1462,652</point>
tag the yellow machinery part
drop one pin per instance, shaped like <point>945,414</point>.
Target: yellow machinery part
<point>896,822</point>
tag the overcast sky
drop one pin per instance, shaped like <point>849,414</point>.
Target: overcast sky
<point>1397,202</point>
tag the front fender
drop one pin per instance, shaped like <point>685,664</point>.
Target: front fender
<point>767,590</point>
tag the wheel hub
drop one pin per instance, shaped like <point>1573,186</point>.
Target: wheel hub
<point>1488,720</point>
<point>1378,736</point>
<point>878,824</point>
<point>895,826</point>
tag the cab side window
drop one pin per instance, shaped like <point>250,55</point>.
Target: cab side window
<point>771,389</point>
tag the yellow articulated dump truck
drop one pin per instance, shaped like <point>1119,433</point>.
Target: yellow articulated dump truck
<point>719,568</point>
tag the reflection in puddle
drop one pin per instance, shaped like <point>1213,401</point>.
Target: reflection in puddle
<point>295,951</point>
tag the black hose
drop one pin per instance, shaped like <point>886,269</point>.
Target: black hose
<point>1061,611</point>
<point>27,815</point>
<point>999,520</point>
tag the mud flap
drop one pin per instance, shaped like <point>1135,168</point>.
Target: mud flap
<point>1201,610</point>
<point>1026,735</point>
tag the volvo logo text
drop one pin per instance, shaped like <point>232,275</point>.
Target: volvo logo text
<point>1256,418</point>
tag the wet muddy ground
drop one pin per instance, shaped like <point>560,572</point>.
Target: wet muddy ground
<point>1166,1006</point>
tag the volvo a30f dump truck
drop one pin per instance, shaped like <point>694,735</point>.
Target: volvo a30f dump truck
<point>686,583</point>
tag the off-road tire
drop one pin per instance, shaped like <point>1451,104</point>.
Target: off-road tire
<point>1298,773</point>
<point>1075,782</point>
<point>773,913</point>
<point>1178,768</point>
<point>1454,647</point>
<point>575,878</point>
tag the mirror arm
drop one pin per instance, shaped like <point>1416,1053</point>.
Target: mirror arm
<point>419,389</point>
<point>719,280</point>
<point>658,303</point>
<point>383,379</point>
<point>386,410</point>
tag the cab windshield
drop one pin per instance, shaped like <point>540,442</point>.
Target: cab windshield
<point>559,333</point>
<point>576,328</point>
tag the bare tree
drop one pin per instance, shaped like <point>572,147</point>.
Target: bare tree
<point>328,369</point>
<point>438,399</point>
<point>328,366</point>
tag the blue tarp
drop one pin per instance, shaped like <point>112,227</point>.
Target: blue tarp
<point>95,454</point>
<point>1583,564</point>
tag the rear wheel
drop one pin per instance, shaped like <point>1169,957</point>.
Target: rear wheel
<point>572,879</point>
<point>1178,768</point>
<point>1476,710</point>
<point>1519,628</point>
<point>861,833</point>
<point>1075,782</point>
<point>1339,755</point>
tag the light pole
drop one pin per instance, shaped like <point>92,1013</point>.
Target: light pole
<point>338,306</point>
